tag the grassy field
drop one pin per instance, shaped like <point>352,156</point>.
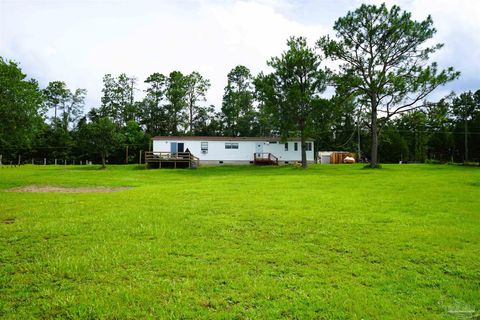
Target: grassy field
<point>331,242</point>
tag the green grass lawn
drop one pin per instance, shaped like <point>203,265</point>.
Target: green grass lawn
<point>331,242</point>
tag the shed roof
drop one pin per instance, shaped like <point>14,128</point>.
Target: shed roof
<point>212,138</point>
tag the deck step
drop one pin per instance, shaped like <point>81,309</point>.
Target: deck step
<point>265,159</point>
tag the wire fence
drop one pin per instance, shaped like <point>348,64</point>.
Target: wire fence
<point>18,160</point>
<point>13,162</point>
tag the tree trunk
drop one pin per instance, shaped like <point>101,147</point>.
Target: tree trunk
<point>65,121</point>
<point>174,125</point>
<point>466,141</point>
<point>102,154</point>
<point>374,128</point>
<point>191,118</point>
<point>359,151</point>
<point>304,151</point>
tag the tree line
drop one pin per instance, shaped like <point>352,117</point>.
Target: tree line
<point>379,108</point>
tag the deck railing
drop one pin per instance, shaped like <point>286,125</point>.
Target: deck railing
<point>160,156</point>
<point>264,157</point>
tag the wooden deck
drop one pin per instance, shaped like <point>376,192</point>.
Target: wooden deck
<point>265,159</point>
<point>170,160</point>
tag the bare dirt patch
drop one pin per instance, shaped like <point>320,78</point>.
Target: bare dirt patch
<point>9,221</point>
<point>51,189</point>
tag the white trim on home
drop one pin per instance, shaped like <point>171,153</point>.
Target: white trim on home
<point>234,149</point>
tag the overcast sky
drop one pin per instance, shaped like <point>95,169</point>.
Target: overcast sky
<point>80,41</point>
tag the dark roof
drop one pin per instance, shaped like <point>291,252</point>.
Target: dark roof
<point>212,138</point>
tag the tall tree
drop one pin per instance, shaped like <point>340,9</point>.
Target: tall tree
<point>57,96</point>
<point>204,122</point>
<point>152,112</point>
<point>125,90</point>
<point>197,88</point>
<point>135,140</point>
<point>73,110</point>
<point>69,103</point>
<point>394,146</point>
<point>237,106</point>
<point>101,136</point>
<point>176,95</point>
<point>412,125</point>
<point>385,55</point>
<point>464,107</point>
<point>440,144</point>
<point>59,141</point>
<point>118,100</point>
<point>110,106</point>
<point>21,108</point>
<point>291,91</point>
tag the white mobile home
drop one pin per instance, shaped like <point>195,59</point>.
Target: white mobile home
<point>234,150</point>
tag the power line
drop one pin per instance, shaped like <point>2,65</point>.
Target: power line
<point>414,131</point>
<point>50,147</point>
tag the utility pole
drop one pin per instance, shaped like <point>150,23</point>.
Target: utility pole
<point>466,140</point>
<point>359,151</point>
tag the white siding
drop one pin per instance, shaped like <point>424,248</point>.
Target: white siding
<point>278,150</point>
<point>245,151</point>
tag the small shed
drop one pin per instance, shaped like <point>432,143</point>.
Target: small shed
<point>334,157</point>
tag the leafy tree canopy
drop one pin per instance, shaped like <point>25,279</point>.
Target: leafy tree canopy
<point>21,108</point>
<point>384,58</point>
<point>290,92</point>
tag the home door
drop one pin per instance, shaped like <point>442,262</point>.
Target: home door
<point>176,147</point>
<point>259,148</point>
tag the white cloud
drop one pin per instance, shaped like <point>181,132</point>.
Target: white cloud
<point>80,41</point>
<point>458,28</point>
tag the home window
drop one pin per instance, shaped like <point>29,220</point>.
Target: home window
<point>204,147</point>
<point>295,146</point>
<point>231,145</point>
<point>308,146</point>
<point>272,142</point>
<point>286,146</point>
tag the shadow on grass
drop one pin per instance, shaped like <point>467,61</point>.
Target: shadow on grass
<point>112,167</point>
<point>88,168</point>
<point>368,166</point>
